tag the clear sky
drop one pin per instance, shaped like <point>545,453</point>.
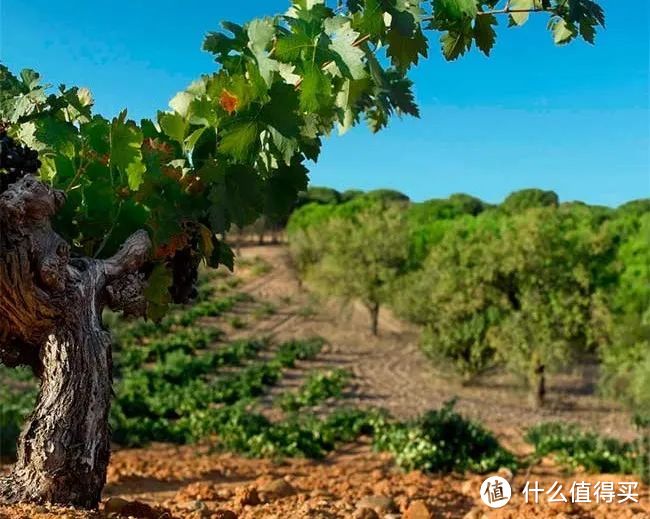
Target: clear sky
<point>572,119</point>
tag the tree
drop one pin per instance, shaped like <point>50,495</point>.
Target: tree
<point>526,291</point>
<point>429,220</point>
<point>519,201</point>
<point>120,214</point>
<point>361,257</point>
<point>450,295</point>
<point>319,195</point>
<point>626,361</point>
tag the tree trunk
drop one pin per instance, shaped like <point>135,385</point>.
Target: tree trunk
<point>63,451</point>
<point>373,308</point>
<point>538,386</point>
<point>50,319</point>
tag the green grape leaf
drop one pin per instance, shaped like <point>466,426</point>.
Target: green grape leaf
<point>221,45</point>
<point>222,254</point>
<point>235,196</point>
<point>59,135</point>
<point>348,57</point>
<point>315,90</point>
<point>457,42</point>
<point>126,155</point>
<point>96,133</point>
<point>521,18</point>
<point>30,78</point>
<point>174,125</point>
<point>239,139</point>
<point>455,9</point>
<point>291,45</point>
<point>260,35</point>
<point>282,111</point>
<point>563,32</point>
<point>406,51</point>
<point>484,33</point>
<point>100,203</point>
<point>193,138</point>
<point>588,31</point>
<point>283,187</point>
<point>400,91</point>
<point>371,20</point>
<point>201,112</point>
<point>206,243</point>
<point>347,101</point>
<point>204,147</point>
<point>157,292</point>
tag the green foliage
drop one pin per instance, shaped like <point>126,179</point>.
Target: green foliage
<point>161,401</point>
<point>265,309</point>
<point>319,195</point>
<point>524,289</point>
<point>520,201</point>
<point>633,295</point>
<point>351,194</point>
<point>384,196</point>
<point>429,221</point>
<point>575,448</point>
<point>527,284</point>
<point>625,365</point>
<point>626,359</point>
<point>443,441</point>
<point>318,388</point>
<point>132,352</point>
<point>234,144</point>
<point>241,430</point>
<point>291,351</point>
<point>15,406</point>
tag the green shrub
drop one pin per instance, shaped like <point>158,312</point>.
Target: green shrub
<point>442,441</point>
<point>319,387</point>
<point>574,448</point>
<point>289,352</point>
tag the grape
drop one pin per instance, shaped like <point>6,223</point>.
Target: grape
<point>185,269</point>
<point>16,161</point>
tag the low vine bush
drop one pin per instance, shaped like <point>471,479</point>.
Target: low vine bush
<point>318,388</point>
<point>442,441</point>
<point>575,448</point>
<point>152,401</point>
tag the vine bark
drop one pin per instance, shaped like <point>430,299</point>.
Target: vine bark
<point>51,305</point>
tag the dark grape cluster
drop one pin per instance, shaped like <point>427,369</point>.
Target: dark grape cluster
<point>16,161</point>
<point>185,269</point>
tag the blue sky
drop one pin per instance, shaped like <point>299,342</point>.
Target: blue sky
<point>572,119</point>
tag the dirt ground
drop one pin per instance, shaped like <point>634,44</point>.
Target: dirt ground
<point>391,372</point>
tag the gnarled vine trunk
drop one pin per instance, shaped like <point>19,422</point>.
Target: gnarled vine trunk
<point>50,319</point>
